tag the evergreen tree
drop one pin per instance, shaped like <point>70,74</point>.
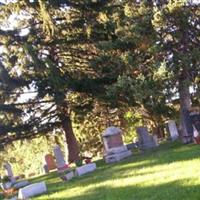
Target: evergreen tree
<point>52,57</point>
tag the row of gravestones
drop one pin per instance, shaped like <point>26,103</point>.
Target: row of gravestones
<point>63,168</point>
<point>113,145</point>
<point>12,182</point>
<point>27,190</point>
<point>59,162</point>
<point>115,150</point>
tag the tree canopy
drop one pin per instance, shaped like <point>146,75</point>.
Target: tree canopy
<point>71,55</point>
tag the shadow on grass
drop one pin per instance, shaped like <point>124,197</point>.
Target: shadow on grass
<point>165,154</point>
<point>176,190</point>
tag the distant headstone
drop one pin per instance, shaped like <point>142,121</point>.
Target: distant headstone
<point>195,119</point>
<point>155,138</point>
<point>8,168</point>
<point>115,150</point>
<point>85,169</point>
<point>21,184</point>
<point>145,141</point>
<point>60,161</point>
<point>172,129</point>
<point>187,125</point>
<point>66,151</point>
<point>68,176</point>
<point>32,190</point>
<point>45,169</point>
<point>50,162</point>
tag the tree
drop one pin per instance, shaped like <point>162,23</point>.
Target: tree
<point>158,45</point>
<point>48,62</point>
<point>177,25</point>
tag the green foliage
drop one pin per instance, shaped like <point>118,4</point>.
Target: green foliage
<point>133,120</point>
<point>123,55</point>
<point>28,156</point>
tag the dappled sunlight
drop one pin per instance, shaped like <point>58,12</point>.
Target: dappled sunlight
<point>134,177</point>
<point>134,180</point>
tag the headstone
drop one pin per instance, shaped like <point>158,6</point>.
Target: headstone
<point>50,162</point>
<point>85,169</point>
<point>60,161</point>
<point>172,129</point>
<point>32,190</point>
<point>195,119</point>
<point>45,169</point>
<point>8,168</point>
<point>115,150</point>
<point>155,138</point>
<point>187,125</point>
<point>145,141</point>
<point>68,176</point>
<point>21,184</point>
<point>66,151</point>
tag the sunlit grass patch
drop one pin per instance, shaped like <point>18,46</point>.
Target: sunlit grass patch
<point>170,172</point>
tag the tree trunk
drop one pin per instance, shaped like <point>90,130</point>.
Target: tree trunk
<point>72,144</point>
<point>185,104</point>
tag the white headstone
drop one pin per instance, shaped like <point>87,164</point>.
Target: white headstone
<point>8,168</point>
<point>66,151</point>
<point>69,176</point>
<point>32,190</point>
<point>85,169</point>
<point>60,161</point>
<point>173,129</point>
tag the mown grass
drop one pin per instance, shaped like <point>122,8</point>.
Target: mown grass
<point>170,172</point>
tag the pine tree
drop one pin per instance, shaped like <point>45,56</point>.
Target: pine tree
<point>53,59</point>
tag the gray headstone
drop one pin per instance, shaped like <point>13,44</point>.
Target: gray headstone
<point>21,184</point>
<point>66,151</point>
<point>173,131</point>
<point>8,168</point>
<point>68,176</point>
<point>146,141</point>
<point>45,169</point>
<point>60,161</point>
<point>85,169</point>
<point>115,150</point>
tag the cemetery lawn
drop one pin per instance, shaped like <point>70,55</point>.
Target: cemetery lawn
<point>172,171</point>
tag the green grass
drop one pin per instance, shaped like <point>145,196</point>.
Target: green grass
<point>171,172</point>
